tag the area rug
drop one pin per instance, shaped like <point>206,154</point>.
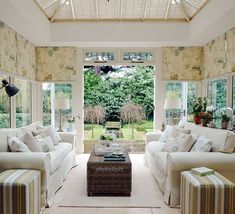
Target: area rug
<point>145,191</point>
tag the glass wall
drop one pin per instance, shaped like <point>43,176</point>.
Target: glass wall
<point>217,93</point>
<point>185,91</point>
<point>50,91</point>
<point>4,106</point>
<point>23,103</point>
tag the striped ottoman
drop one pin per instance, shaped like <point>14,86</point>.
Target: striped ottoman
<point>211,194</point>
<point>20,192</point>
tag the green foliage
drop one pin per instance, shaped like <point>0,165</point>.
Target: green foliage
<point>114,89</point>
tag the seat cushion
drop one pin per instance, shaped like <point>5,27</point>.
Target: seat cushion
<point>60,153</point>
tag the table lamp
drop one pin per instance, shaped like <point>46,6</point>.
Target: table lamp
<point>172,104</point>
<point>61,104</point>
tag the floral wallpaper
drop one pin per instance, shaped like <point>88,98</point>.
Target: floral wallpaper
<point>17,55</point>
<point>182,63</point>
<point>219,55</point>
<point>55,64</point>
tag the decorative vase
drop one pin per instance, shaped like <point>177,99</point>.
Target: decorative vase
<point>203,122</point>
<point>224,124</point>
<point>197,119</point>
<point>70,127</point>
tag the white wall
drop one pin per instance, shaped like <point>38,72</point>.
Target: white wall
<point>25,18</point>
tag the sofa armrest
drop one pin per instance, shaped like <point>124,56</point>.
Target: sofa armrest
<point>68,137</point>
<point>25,160</point>
<point>178,162</point>
<point>187,160</point>
<point>153,136</point>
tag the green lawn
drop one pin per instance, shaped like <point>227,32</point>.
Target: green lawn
<point>139,131</point>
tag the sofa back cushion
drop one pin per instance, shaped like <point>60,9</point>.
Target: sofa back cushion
<point>3,138</point>
<point>32,127</point>
<point>218,136</point>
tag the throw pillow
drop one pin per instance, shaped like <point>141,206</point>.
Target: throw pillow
<point>44,127</point>
<point>16,145</point>
<point>172,145</point>
<point>49,131</point>
<point>186,142</point>
<point>202,144</point>
<point>229,144</point>
<point>29,140</point>
<point>46,143</point>
<point>170,131</point>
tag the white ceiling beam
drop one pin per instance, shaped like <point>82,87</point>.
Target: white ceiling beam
<point>144,9</point>
<point>192,3</point>
<point>96,10</point>
<point>167,9</point>
<point>57,10</point>
<point>120,10</point>
<point>72,8</point>
<point>182,8</point>
<point>49,4</point>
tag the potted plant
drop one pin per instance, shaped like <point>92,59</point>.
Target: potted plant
<point>71,119</point>
<point>206,117</point>
<point>225,119</point>
<point>106,138</point>
<point>199,105</point>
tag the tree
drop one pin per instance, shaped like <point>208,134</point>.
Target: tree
<point>94,115</point>
<point>131,113</point>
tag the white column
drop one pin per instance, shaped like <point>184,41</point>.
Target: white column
<point>78,102</point>
<point>36,105</point>
<point>159,92</point>
<point>229,91</point>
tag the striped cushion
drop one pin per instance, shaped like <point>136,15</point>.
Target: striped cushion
<point>20,192</point>
<point>207,194</point>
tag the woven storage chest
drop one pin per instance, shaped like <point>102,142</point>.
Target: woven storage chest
<point>110,178</point>
<point>212,194</point>
<point>20,192</point>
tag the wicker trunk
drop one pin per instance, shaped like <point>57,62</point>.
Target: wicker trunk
<point>108,178</point>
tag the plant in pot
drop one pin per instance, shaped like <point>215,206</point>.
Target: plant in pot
<point>225,119</point>
<point>206,117</point>
<point>199,105</point>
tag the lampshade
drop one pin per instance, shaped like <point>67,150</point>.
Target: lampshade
<point>11,90</point>
<point>61,103</point>
<point>172,103</point>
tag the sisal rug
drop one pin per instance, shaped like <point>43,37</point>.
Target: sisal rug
<point>145,191</point>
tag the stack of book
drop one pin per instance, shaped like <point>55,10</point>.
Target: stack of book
<point>114,157</point>
<point>202,171</point>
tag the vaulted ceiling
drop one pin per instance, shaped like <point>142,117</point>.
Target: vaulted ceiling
<point>120,10</point>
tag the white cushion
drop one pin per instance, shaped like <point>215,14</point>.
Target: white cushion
<point>155,146</point>
<point>16,145</point>
<point>170,131</point>
<point>60,153</point>
<point>44,127</point>
<point>229,143</point>
<point>45,143</point>
<point>172,145</point>
<point>29,140</point>
<point>202,144</point>
<point>49,131</point>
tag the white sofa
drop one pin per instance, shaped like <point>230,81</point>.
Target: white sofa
<point>166,167</point>
<point>54,166</point>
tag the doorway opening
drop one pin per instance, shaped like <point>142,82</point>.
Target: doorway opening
<point>118,104</point>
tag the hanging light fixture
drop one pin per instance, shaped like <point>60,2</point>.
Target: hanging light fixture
<point>11,89</point>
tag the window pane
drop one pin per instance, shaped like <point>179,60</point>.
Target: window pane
<point>50,91</point>
<point>23,103</point>
<point>174,89</point>
<point>46,94</point>
<point>190,95</point>
<point>99,56</point>
<point>217,93</point>
<point>4,106</point>
<point>137,56</point>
